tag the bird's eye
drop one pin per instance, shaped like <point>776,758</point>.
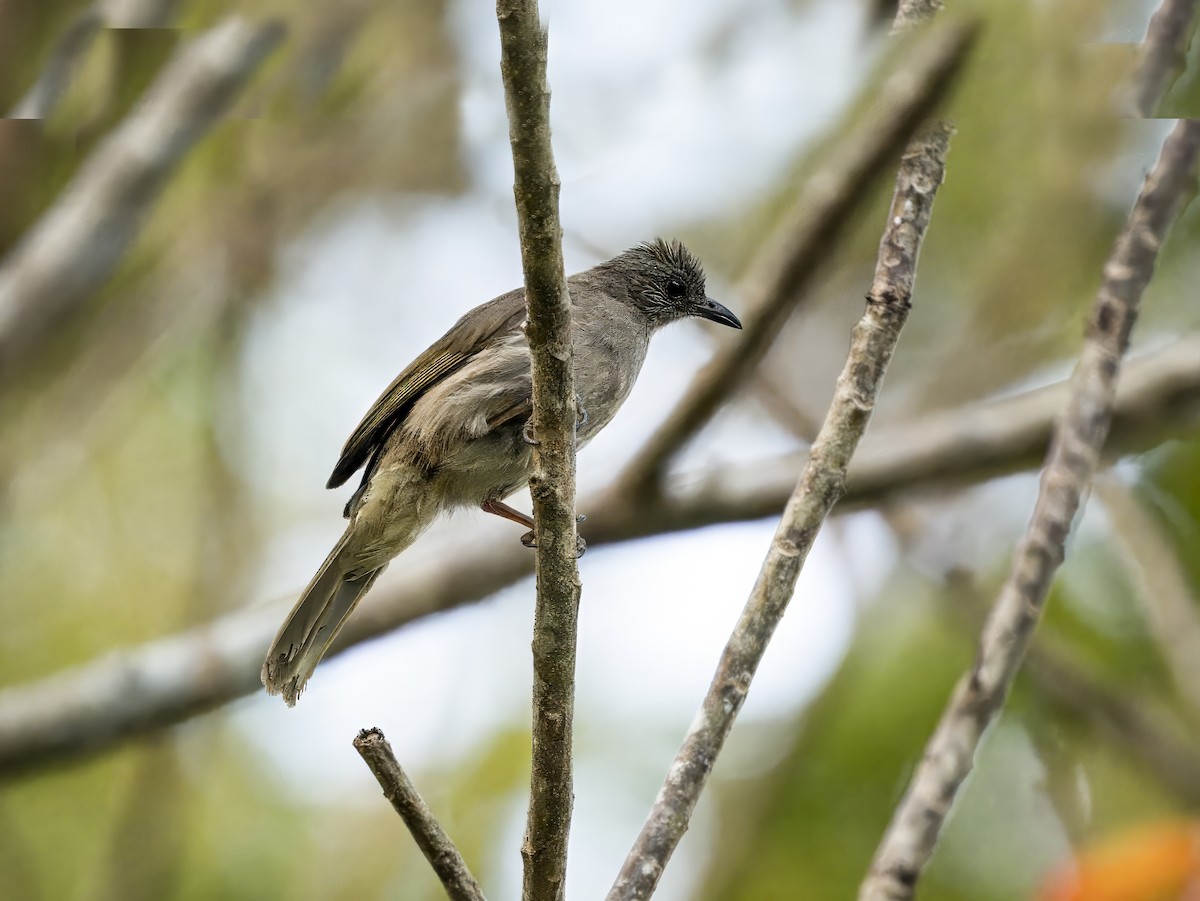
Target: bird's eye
<point>675,290</point>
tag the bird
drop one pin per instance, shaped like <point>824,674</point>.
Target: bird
<point>452,430</point>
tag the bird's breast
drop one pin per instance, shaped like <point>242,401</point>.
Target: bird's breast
<point>608,360</point>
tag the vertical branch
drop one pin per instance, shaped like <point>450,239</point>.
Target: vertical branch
<point>1079,437</point>
<point>820,487</point>
<point>523,47</point>
<point>426,831</point>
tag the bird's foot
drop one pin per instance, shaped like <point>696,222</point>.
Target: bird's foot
<point>581,414</point>
<point>529,539</point>
<point>527,433</point>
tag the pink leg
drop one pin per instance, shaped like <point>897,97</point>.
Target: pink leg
<point>504,511</point>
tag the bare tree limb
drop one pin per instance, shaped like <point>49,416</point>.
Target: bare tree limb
<point>77,244</point>
<point>39,101</point>
<point>426,831</point>
<point>1079,438</point>
<point>1163,55</point>
<point>803,241</point>
<point>821,485</point>
<point>135,691</point>
<point>1158,398</point>
<point>523,46</point>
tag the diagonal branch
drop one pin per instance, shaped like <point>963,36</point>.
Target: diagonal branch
<point>821,485</point>
<point>523,46</point>
<point>426,831</point>
<point>1158,398</point>
<point>1079,438</point>
<point>1163,54</point>
<point>773,286</point>
<point>136,691</point>
<point>39,101</point>
<point>77,244</point>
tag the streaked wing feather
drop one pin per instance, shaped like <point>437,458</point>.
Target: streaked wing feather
<point>471,333</point>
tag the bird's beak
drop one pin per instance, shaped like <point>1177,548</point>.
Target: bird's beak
<point>715,312</point>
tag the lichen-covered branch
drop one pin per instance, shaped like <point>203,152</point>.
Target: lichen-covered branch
<point>803,241</point>
<point>136,691</point>
<point>426,831</point>
<point>523,46</point>
<point>1079,438</point>
<point>77,244</point>
<point>1163,54</point>
<point>821,485</point>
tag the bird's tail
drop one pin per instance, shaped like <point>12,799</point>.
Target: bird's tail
<point>312,625</point>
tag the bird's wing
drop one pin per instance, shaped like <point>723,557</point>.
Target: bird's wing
<point>468,336</point>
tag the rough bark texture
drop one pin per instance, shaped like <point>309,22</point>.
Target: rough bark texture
<point>1079,438</point>
<point>1163,54</point>
<point>76,246</point>
<point>135,691</point>
<point>426,831</point>
<point>820,487</point>
<point>803,242</point>
<point>523,47</point>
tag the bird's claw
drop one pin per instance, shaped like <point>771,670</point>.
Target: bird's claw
<point>529,539</point>
<point>527,434</point>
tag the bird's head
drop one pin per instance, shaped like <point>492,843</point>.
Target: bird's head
<point>666,283</point>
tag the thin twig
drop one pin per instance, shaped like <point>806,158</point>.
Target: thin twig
<point>820,487</point>
<point>426,831</point>
<point>802,243</point>
<point>949,756</point>
<point>77,244</point>
<point>1163,54</point>
<point>523,45</point>
<point>135,691</point>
